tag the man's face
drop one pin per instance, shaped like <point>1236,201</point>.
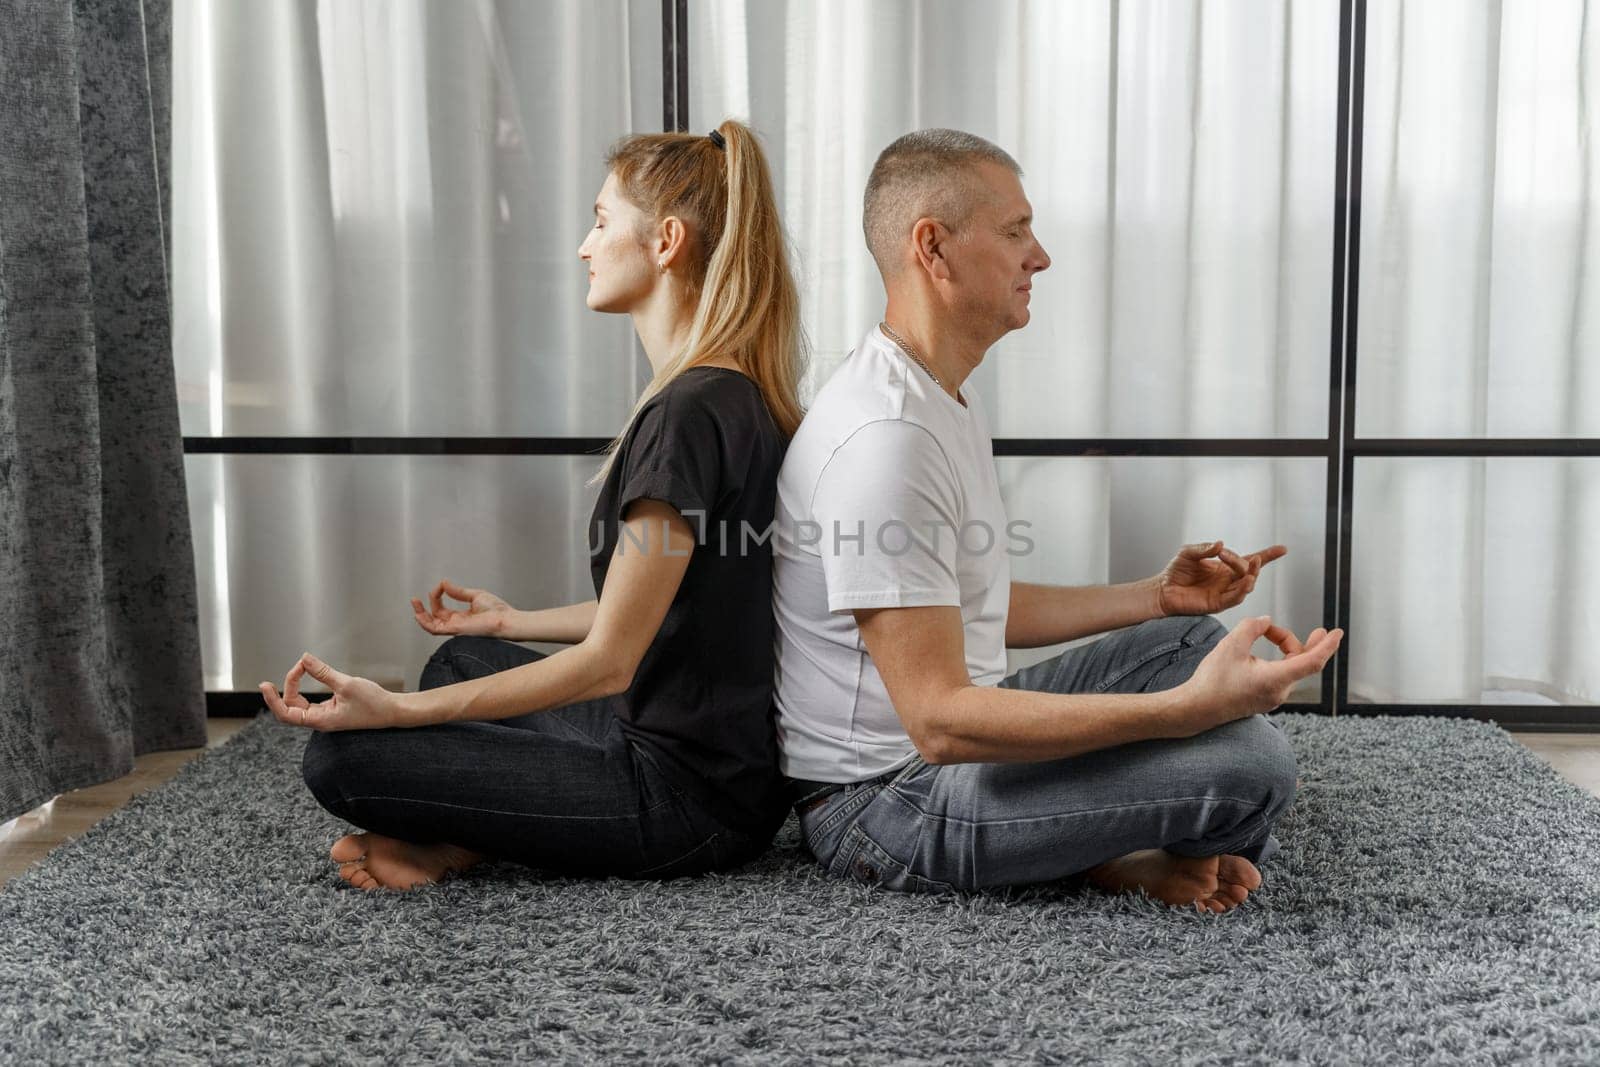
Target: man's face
<point>993,262</point>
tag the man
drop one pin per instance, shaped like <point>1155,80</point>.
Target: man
<point>1137,761</point>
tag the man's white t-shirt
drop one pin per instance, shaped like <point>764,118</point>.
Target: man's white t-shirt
<point>887,498</point>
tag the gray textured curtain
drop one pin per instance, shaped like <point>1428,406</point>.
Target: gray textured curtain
<point>99,639</point>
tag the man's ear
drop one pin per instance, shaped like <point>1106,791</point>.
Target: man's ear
<point>929,239</point>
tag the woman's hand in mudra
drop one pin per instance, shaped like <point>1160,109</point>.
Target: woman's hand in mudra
<point>486,615</point>
<point>356,703</point>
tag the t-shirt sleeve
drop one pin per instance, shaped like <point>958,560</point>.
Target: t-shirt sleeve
<point>888,508</point>
<point>674,454</point>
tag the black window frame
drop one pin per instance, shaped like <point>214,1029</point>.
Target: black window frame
<point>1340,448</point>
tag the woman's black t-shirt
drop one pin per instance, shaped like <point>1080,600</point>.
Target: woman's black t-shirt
<point>701,699</point>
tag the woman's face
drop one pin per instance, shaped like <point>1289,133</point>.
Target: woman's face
<point>620,272</point>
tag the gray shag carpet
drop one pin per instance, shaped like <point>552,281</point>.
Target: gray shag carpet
<point>1435,901</point>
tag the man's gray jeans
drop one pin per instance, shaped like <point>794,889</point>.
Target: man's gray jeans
<point>974,825</point>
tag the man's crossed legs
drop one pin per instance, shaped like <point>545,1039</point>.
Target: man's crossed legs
<point>1169,815</point>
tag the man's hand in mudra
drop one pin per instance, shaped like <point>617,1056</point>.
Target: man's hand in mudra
<point>1204,579</point>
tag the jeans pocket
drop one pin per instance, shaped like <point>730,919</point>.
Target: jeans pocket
<point>863,860</point>
<point>699,858</point>
<point>821,826</point>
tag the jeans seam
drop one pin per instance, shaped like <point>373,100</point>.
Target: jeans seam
<point>475,659</point>
<point>848,849</point>
<point>679,859</point>
<point>501,811</point>
<point>920,881</point>
<point>1155,653</point>
<point>574,730</point>
<point>1243,839</point>
<point>1200,620</point>
<point>491,668</point>
<point>843,812</point>
<point>921,813</point>
<point>582,735</point>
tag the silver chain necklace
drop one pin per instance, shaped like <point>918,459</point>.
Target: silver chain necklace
<point>901,341</point>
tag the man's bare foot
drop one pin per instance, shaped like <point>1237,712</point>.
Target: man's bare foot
<point>368,861</point>
<point>1210,883</point>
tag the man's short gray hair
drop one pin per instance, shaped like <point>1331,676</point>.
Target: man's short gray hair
<point>926,174</point>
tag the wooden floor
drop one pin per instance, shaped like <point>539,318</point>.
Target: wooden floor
<point>34,834</point>
<point>30,837</point>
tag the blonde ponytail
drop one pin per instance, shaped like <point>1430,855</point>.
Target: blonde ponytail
<point>747,307</point>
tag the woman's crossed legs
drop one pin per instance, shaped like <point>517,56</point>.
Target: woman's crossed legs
<point>564,790</point>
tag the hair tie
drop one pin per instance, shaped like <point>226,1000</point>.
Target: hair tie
<point>717,139</point>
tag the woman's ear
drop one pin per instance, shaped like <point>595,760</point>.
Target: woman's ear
<point>672,237</point>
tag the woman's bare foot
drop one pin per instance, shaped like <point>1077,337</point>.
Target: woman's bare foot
<point>368,861</point>
<point>1214,883</point>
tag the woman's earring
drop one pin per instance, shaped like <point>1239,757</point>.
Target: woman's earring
<point>661,264</point>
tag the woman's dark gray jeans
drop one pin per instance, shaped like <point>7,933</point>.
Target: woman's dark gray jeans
<point>563,790</point>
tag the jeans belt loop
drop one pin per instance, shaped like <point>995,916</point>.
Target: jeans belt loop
<point>811,800</point>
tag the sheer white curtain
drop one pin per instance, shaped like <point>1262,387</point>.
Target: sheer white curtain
<point>1480,317</point>
<point>1180,159</point>
<point>378,205</point>
<point>377,212</point>
<point>1180,162</point>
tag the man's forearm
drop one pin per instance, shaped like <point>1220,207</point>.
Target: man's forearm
<point>568,676</point>
<point>987,724</point>
<point>565,625</point>
<point>1042,615</point>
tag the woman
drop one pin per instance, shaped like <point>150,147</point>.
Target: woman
<point>646,748</point>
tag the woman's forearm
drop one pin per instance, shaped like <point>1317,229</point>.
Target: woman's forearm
<point>566,625</point>
<point>582,672</point>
